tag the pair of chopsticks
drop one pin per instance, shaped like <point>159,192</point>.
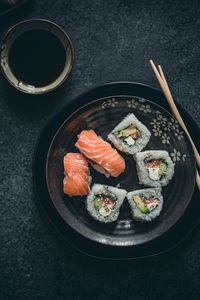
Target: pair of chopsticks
<point>164,86</point>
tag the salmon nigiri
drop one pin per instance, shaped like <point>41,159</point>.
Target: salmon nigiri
<point>101,155</point>
<point>76,181</point>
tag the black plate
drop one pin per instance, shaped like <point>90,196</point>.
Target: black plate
<point>167,240</point>
<point>103,115</point>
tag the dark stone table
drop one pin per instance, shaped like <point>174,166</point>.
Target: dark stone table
<point>113,41</point>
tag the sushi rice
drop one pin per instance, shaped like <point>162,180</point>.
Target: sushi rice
<point>137,214</point>
<point>143,173</point>
<point>139,143</point>
<point>99,189</point>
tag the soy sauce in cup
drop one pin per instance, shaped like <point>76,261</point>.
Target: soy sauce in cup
<point>37,57</point>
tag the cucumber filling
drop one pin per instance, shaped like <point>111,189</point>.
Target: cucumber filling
<point>104,204</point>
<point>146,205</point>
<point>129,135</point>
<point>157,168</point>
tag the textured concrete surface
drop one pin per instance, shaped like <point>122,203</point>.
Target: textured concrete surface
<point>113,41</point>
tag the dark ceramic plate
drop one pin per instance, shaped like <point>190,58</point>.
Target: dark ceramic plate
<point>67,236</point>
<point>102,115</point>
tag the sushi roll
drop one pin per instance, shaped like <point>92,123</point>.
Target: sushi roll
<point>100,154</point>
<point>104,202</point>
<point>77,180</point>
<point>130,135</point>
<point>145,204</point>
<point>154,168</point>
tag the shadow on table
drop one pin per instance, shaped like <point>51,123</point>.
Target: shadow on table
<point>33,107</point>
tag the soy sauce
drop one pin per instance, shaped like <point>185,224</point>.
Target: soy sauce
<point>37,57</point>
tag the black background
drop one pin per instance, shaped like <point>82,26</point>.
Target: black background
<point>113,40</point>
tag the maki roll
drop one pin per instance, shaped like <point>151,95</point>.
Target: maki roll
<point>104,202</point>
<point>154,168</point>
<point>130,135</point>
<point>145,204</point>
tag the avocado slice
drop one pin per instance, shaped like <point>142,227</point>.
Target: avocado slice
<point>98,202</point>
<point>140,204</point>
<point>162,169</point>
<point>127,132</point>
<point>116,132</point>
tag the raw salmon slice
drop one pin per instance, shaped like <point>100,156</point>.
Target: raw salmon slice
<point>76,181</point>
<point>101,155</point>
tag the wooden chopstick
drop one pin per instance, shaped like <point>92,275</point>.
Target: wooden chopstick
<point>178,116</point>
<point>164,86</point>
